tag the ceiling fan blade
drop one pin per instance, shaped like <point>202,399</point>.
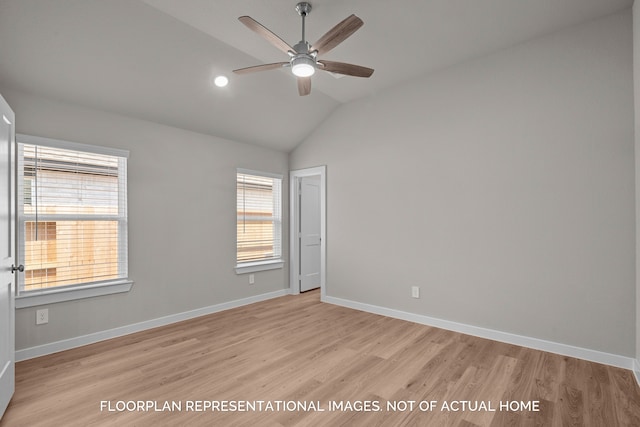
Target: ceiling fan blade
<point>337,34</point>
<point>304,85</point>
<point>263,67</point>
<point>265,33</point>
<point>346,69</point>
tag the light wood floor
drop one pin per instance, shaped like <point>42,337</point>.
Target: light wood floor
<point>297,349</point>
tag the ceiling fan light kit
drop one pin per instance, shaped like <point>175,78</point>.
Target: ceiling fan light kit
<point>303,66</point>
<point>303,57</point>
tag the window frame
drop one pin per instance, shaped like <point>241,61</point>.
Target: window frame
<point>82,290</point>
<point>270,263</point>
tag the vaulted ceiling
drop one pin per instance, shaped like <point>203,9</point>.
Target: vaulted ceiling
<point>156,59</point>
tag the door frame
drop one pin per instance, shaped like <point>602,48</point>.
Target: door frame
<point>294,214</point>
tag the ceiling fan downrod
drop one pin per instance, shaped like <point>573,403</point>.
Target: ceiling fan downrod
<point>303,9</point>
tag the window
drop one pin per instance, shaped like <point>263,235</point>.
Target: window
<point>259,221</point>
<point>72,220</point>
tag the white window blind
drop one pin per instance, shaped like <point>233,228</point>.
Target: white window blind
<point>259,217</point>
<point>72,216</point>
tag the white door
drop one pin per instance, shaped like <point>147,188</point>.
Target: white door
<point>309,242</point>
<point>7,250</point>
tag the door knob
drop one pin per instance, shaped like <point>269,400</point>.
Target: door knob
<point>19,268</point>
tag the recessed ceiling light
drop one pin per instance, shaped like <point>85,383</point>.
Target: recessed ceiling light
<point>221,81</point>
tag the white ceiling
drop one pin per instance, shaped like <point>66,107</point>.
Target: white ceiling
<point>155,59</point>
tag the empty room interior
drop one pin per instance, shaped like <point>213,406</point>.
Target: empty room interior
<point>419,212</point>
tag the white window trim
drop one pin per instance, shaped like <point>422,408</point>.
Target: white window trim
<point>76,292</point>
<point>268,264</point>
<point>68,145</point>
<point>35,298</point>
<point>258,173</point>
<point>252,267</point>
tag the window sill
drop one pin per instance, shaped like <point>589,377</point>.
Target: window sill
<point>252,267</point>
<point>52,296</point>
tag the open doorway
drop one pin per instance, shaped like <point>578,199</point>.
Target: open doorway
<point>307,188</point>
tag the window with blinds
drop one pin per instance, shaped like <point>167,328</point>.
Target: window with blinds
<point>259,218</point>
<point>72,216</point>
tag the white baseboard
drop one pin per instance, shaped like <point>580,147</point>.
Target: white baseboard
<point>524,341</point>
<point>535,343</point>
<point>54,347</point>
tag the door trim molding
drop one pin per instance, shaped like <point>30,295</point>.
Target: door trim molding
<point>294,208</point>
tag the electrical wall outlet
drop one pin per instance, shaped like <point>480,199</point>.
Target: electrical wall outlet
<point>42,316</point>
<point>415,292</point>
<point>252,279</point>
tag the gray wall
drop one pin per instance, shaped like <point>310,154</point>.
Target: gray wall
<point>503,187</point>
<point>181,219</point>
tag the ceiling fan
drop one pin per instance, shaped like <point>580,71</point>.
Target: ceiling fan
<point>303,57</point>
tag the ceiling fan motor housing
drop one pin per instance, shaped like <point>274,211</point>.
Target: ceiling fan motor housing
<point>302,47</point>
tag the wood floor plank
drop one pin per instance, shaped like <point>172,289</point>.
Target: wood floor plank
<point>358,368</point>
